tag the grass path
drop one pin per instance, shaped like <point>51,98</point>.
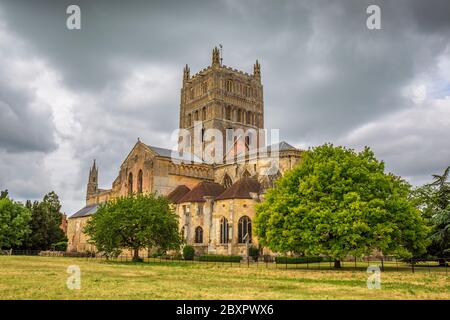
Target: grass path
<point>45,278</point>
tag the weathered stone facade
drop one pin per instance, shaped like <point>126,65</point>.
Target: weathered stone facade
<point>218,97</point>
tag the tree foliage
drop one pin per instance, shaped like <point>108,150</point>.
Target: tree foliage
<point>433,200</point>
<point>134,222</point>
<point>337,202</point>
<point>45,223</point>
<point>14,219</point>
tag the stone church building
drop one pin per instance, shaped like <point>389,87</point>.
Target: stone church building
<point>214,194</point>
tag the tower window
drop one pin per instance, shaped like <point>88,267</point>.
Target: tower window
<point>204,87</point>
<point>196,115</point>
<point>189,120</point>
<point>229,85</point>
<point>228,113</point>
<point>204,113</point>
<point>191,93</point>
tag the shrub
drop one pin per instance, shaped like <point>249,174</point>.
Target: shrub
<point>219,258</point>
<point>292,260</point>
<point>253,251</point>
<point>188,252</point>
<point>60,246</point>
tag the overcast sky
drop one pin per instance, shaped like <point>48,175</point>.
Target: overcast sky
<point>69,96</point>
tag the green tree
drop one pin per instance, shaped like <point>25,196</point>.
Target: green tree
<point>45,223</point>
<point>4,194</point>
<point>337,202</point>
<point>134,222</point>
<point>14,219</point>
<point>433,200</point>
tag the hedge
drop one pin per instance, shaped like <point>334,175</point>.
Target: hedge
<point>292,260</point>
<point>219,258</point>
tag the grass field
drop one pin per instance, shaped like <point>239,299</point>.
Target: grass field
<point>45,278</point>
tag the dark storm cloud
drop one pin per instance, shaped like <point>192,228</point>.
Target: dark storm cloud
<point>326,76</point>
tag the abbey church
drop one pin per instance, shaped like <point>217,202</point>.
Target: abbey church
<point>221,168</point>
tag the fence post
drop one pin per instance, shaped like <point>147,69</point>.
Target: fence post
<point>355,262</point>
<point>446,266</point>
<point>396,263</point>
<point>285,260</point>
<point>412,265</point>
<point>382,264</point>
<point>307,265</point>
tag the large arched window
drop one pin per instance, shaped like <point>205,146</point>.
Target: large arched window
<point>245,230</point>
<point>223,230</point>
<point>140,180</point>
<point>198,235</point>
<point>189,120</point>
<point>130,183</point>
<point>227,182</point>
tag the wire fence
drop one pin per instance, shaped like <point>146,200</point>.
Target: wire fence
<point>386,263</point>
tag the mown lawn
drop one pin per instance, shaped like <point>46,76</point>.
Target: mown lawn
<point>45,278</point>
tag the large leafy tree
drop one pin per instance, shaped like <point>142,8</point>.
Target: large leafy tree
<point>14,219</point>
<point>45,223</point>
<point>433,200</point>
<point>134,222</point>
<point>338,202</point>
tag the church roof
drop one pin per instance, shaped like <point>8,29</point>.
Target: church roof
<point>167,153</point>
<point>201,190</point>
<point>86,211</point>
<point>178,193</point>
<point>241,189</point>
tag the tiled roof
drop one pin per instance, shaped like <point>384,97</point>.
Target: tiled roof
<point>86,211</point>
<point>201,190</point>
<point>241,189</point>
<point>178,193</point>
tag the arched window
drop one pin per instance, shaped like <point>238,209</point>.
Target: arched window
<point>203,134</point>
<point>223,230</point>
<point>249,117</point>
<point>204,114</point>
<point>198,235</point>
<point>245,230</point>
<point>227,182</point>
<point>140,178</point>
<point>189,120</point>
<point>204,87</point>
<point>239,115</point>
<point>196,116</point>
<point>228,113</point>
<point>229,85</point>
<point>130,183</point>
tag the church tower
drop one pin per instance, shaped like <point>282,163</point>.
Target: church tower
<point>92,185</point>
<point>222,98</point>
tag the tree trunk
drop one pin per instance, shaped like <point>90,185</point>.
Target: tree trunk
<point>136,255</point>
<point>337,263</point>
